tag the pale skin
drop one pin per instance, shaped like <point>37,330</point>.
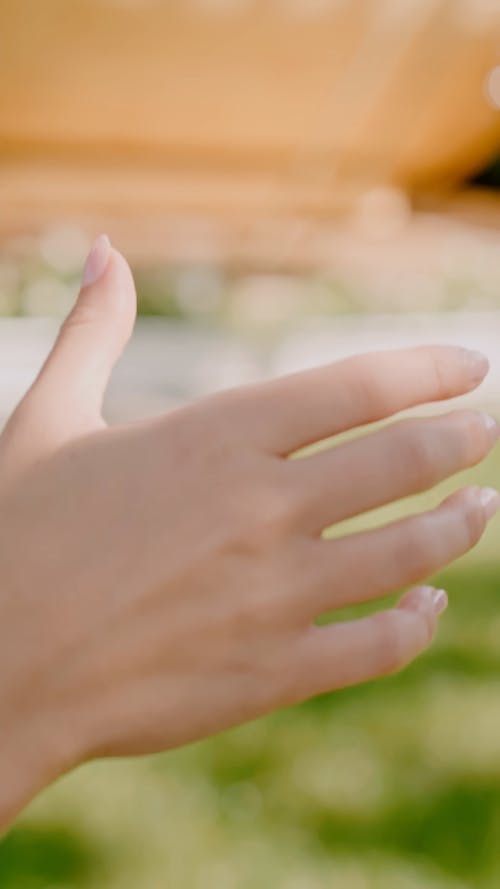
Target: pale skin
<point>161,581</point>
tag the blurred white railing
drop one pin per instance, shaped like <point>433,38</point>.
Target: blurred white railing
<point>168,363</point>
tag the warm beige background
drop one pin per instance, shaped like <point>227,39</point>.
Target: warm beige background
<point>238,102</point>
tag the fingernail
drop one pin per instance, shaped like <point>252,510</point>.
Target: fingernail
<point>97,261</point>
<point>477,365</point>
<point>492,426</point>
<point>490,501</point>
<point>439,601</point>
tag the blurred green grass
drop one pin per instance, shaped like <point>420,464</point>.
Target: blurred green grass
<point>393,785</point>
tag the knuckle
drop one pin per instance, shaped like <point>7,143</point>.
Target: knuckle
<point>420,456</point>
<point>180,441</point>
<point>219,412</point>
<point>476,441</point>
<point>472,522</point>
<point>277,510</point>
<point>265,518</point>
<point>463,438</point>
<point>366,390</point>
<point>431,449</point>
<point>84,313</point>
<point>389,650</point>
<point>279,495</point>
<point>294,666</point>
<point>182,433</point>
<point>251,620</point>
<point>415,551</point>
<point>290,684</point>
<point>443,369</point>
<point>465,435</point>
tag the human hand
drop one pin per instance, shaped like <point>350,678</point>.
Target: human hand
<point>161,581</point>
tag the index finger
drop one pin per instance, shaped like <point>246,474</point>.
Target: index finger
<point>290,413</point>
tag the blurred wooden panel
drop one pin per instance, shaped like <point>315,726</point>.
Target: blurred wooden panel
<point>241,102</point>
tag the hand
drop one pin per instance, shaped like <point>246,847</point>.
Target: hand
<point>161,581</point>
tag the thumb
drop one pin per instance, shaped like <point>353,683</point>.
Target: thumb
<point>65,400</point>
<point>73,380</point>
<point>95,333</point>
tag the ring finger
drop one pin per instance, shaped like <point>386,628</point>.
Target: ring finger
<point>372,564</point>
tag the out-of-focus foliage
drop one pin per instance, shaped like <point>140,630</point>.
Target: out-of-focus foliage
<point>387,261</point>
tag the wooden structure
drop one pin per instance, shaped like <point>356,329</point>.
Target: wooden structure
<point>151,110</point>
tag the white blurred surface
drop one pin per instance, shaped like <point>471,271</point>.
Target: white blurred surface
<point>168,363</point>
